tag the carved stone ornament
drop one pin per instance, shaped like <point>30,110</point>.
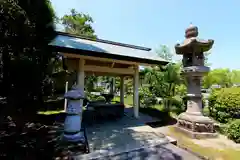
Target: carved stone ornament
<point>203,127</point>
<point>185,124</point>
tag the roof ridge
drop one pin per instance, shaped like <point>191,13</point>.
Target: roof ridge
<point>105,41</point>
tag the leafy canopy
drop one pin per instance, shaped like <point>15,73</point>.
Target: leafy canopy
<point>78,23</point>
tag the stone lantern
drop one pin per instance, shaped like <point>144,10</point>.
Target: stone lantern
<point>192,122</point>
<point>72,124</point>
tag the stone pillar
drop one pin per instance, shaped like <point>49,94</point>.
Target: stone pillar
<point>135,92</point>
<point>194,96</point>
<point>122,90</point>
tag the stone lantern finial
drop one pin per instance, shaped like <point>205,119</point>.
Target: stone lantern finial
<point>191,31</point>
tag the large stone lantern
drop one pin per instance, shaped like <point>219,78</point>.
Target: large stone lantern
<point>192,121</point>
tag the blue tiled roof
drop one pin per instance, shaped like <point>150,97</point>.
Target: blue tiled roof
<point>107,47</point>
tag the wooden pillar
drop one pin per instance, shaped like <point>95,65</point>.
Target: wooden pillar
<point>135,92</point>
<point>81,77</point>
<point>65,100</point>
<point>112,85</point>
<point>122,90</point>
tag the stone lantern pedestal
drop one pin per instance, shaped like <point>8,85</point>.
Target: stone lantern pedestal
<point>192,122</point>
<point>73,121</point>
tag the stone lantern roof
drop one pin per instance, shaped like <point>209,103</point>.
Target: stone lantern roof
<point>192,44</point>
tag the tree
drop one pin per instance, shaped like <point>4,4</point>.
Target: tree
<point>164,52</point>
<point>235,77</point>
<point>206,63</point>
<point>163,80</point>
<point>221,76</point>
<point>26,29</point>
<point>78,24</point>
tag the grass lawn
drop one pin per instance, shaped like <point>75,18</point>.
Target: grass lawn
<point>209,152</point>
<point>128,101</point>
<point>50,112</point>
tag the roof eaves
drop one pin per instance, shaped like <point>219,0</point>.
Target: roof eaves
<point>104,41</point>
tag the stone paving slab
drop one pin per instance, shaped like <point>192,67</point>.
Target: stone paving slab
<point>153,152</point>
<point>130,138</point>
<point>124,134</point>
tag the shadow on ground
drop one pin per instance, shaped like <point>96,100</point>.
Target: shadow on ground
<point>164,117</point>
<point>31,137</point>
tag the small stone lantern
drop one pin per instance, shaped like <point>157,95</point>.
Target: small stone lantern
<point>193,122</point>
<point>72,124</point>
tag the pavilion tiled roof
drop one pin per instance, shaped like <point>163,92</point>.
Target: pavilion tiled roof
<point>107,49</point>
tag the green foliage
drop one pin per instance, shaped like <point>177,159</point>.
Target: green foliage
<point>222,76</point>
<point>181,90</point>
<point>224,104</point>
<point>89,83</point>
<point>164,52</point>
<point>178,105</point>
<point>26,30</point>
<point>164,81</point>
<point>78,23</point>
<point>235,76</point>
<point>233,131</point>
<point>98,89</point>
<point>146,97</point>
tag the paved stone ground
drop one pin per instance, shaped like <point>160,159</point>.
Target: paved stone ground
<point>125,134</point>
<point>157,152</point>
<point>129,138</point>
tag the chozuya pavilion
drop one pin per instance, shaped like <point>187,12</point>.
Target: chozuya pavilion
<point>101,57</point>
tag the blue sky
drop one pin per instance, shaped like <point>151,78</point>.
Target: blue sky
<point>151,23</point>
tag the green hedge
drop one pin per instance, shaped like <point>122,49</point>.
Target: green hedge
<point>233,131</point>
<point>224,104</point>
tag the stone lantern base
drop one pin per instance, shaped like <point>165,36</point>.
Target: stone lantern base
<point>196,126</point>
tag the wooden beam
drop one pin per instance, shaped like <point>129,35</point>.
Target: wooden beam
<point>117,71</point>
<point>70,55</point>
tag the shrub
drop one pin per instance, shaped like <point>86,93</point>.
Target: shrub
<point>178,105</point>
<point>233,131</point>
<point>146,97</point>
<point>98,89</point>
<point>224,104</point>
